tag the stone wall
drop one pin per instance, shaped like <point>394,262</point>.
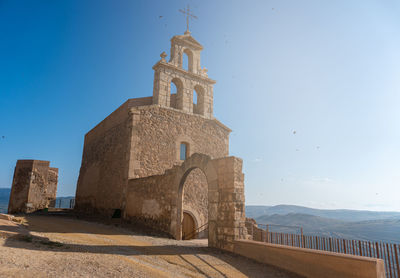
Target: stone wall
<point>157,134</point>
<point>227,204</point>
<point>52,180</point>
<point>34,186</point>
<point>137,142</point>
<point>103,173</point>
<point>254,232</point>
<point>152,201</point>
<point>149,202</point>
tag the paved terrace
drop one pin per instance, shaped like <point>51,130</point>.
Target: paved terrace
<point>60,246</point>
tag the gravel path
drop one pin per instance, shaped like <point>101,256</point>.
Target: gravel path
<point>66,247</point>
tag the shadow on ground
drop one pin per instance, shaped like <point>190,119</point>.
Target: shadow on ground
<point>38,222</point>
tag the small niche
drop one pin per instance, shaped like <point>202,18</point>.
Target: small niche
<point>116,214</point>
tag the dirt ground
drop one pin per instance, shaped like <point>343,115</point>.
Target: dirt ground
<point>59,246</point>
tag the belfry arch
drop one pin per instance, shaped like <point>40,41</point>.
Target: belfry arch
<point>189,56</point>
<point>198,107</point>
<point>175,98</point>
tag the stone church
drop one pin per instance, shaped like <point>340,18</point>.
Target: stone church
<point>162,161</point>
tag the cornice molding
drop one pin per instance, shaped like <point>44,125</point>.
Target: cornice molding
<point>191,74</point>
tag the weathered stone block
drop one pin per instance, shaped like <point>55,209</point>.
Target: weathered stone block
<point>34,186</point>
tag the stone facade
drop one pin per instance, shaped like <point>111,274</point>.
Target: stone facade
<point>132,161</point>
<point>34,186</point>
<point>157,133</point>
<point>138,142</point>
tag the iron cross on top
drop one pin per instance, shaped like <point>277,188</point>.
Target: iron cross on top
<point>188,15</point>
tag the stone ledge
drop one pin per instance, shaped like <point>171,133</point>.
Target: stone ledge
<point>309,262</point>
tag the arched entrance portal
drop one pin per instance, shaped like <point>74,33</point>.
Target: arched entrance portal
<point>225,195</point>
<point>195,205</point>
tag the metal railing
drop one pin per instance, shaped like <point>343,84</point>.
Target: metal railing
<point>194,233</point>
<point>72,203</point>
<point>389,252</point>
<point>62,203</point>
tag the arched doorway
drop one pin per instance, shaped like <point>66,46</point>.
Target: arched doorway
<point>194,204</point>
<point>188,227</point>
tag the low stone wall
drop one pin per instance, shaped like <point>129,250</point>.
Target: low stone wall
<point>253,232</point>
<point>311,263</point>
<point>149,202</point>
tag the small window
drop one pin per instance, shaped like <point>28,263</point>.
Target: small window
<point>184,151</point>
<point>194,97</point>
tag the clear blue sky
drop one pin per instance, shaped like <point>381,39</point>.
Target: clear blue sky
<point>329,70</point>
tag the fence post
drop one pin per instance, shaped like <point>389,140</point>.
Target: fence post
<point>370,250</point>
<point>388,259</point>
<point>261,232</point>
<point>397,260</point>
<point>377,249</point>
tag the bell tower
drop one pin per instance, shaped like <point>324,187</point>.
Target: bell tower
<point>188,81</point>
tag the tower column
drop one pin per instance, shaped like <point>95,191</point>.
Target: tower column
<point>161,89</point>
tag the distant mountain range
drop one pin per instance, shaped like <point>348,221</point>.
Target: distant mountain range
<point>339,214</point>
<point>349,224</point>
<point>4,197</point>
